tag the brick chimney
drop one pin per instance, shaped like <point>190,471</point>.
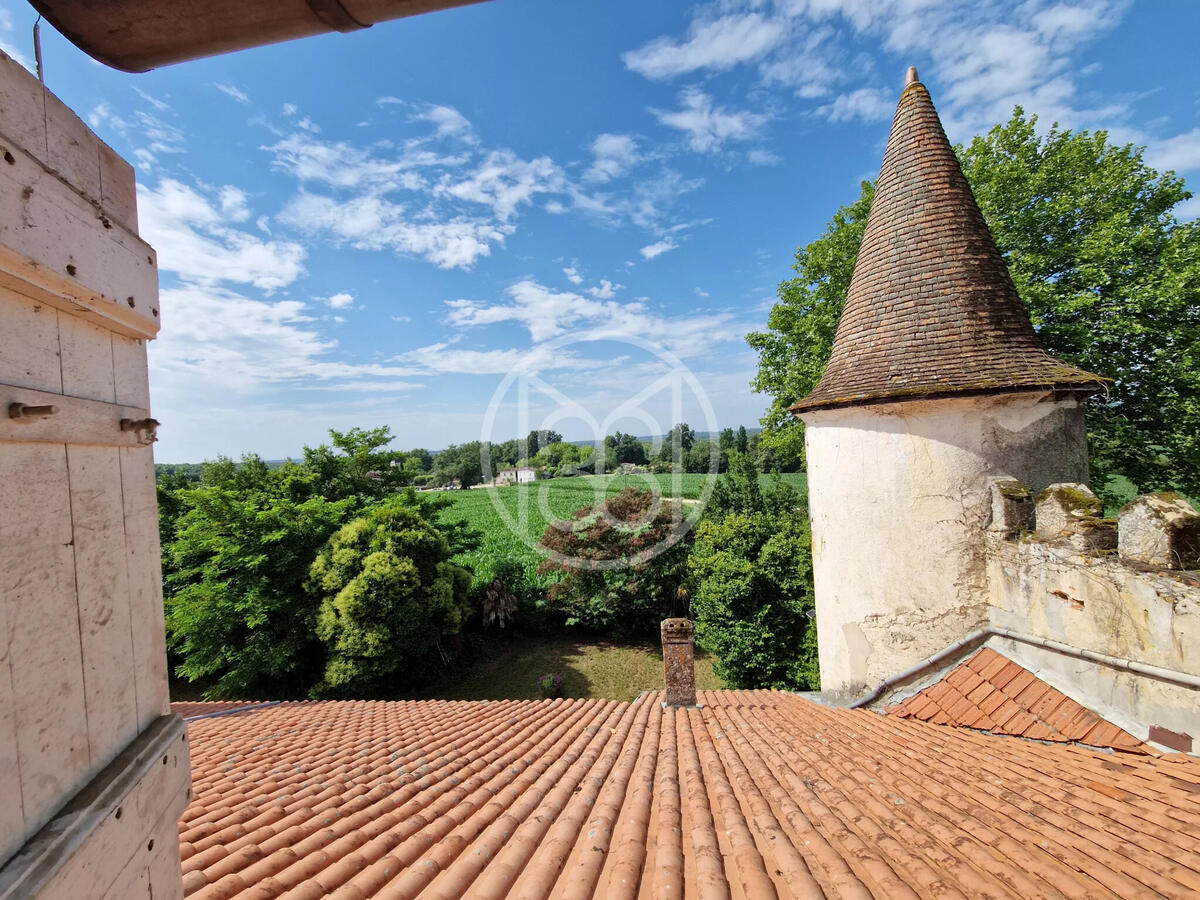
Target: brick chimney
<point>679,661</point>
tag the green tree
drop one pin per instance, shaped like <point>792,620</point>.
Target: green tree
<point>355,464</point>
<point>678,441</point>
<point>753,599</point>
<point>390,598</point>
<point>461,463</point>
<point>742,443</point>
<point>645,537</point>
<point>236,609</point>
<point>1110,276</point>
<point>740,490</point>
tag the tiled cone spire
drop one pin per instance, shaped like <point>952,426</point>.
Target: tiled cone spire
<point>931,309</point>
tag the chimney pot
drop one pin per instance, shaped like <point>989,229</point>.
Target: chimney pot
<point>679,661</point>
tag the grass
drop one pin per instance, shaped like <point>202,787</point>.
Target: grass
<point>511,519</point>
<point>590,668</point>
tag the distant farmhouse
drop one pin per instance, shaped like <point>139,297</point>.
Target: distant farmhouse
<point>522,475</point>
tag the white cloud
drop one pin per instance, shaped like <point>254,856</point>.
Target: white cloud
<point>447,122</point>
<point>1181,153</point>
<point>341,300</point>
<point>613,155</point>
<point>194,239</point>
<point>290,109</point>
<point>762,158</point>
<point>573,275</point>
<point>504,181</point>
<point>223,341</point>
<point>342,165</point>
<point>547,314</point>
<point>233,203</point>
<point>606,290</point>
<point>717,44</point>
<point>443,359</point>
<point>984,58</point>
<point>708,127</point>
<point>151,135</point>
<point>864,104</point>
<point>658,248</point>
<point>231,90</point>
<point>372,223</point>
<point>8,43</point>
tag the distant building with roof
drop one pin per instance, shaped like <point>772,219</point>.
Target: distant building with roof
<point>521,475</point>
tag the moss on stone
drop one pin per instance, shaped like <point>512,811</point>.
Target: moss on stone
<point>1078,502</point>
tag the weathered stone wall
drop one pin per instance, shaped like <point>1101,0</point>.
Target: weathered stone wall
<point>1066,582</point>
<point>898,495</point>
<point>82,658</point>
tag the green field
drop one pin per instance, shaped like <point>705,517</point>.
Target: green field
<point>512,519</point>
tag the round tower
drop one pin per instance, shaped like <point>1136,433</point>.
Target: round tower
<point>936,382</point>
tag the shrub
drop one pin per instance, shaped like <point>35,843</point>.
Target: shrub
<point>753,598</point>
<point>389,596</point>
<point>551,685</point>
<point>621,562</point>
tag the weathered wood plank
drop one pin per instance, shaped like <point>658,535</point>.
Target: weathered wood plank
<point>108,824</point>
<point>129,370</point>
<point>76,421</point>
<point>12,817</point>
<point>87,359</point>
<point>37,584</point>
<point>61,248</point>
<point>145,583</point>
<point>29,352</point>
<point>102,585</point>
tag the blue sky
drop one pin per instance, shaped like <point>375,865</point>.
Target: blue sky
<point>378,228</point>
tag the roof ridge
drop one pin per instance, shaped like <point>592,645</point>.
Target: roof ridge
<point>931,307</point>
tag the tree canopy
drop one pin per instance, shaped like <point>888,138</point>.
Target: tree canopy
<point>1110,276</point>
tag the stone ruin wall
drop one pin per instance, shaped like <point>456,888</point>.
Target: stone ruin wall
<point>1125,587</point>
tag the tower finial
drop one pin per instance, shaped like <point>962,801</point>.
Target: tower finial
<point>911,76</point>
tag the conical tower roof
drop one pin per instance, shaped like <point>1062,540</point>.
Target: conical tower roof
<point>931,309</point>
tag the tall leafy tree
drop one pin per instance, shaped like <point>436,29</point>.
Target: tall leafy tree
<point>236,609</point>
<point>1110,276</point>
<point>356,464</point>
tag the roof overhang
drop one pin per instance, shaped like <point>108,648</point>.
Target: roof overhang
<point>139,35</point>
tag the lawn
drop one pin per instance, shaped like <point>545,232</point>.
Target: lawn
<point>510,669</point>
<point>512,519</point>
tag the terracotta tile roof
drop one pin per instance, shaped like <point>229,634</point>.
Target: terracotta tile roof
<point>756,794</point>
<point>188,708</point>
<point>991,693</point>
<point>931,307</point>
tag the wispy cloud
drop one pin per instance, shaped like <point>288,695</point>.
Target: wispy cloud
<point>613,155</point>
<point>707,127</point>
<point>658,248</point>
<point>717,44</point>
<point>195,240</point>
<point>231,90</point>
<point>864,104</point>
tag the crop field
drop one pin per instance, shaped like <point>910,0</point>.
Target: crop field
<point>511,519</point>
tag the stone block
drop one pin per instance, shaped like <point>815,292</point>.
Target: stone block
<point>1160,530</point>
<point>1012,506</point>
<point>1090,534</point>
<point>1061,505</point>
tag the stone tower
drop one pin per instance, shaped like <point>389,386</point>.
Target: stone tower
<point>936,382</point>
